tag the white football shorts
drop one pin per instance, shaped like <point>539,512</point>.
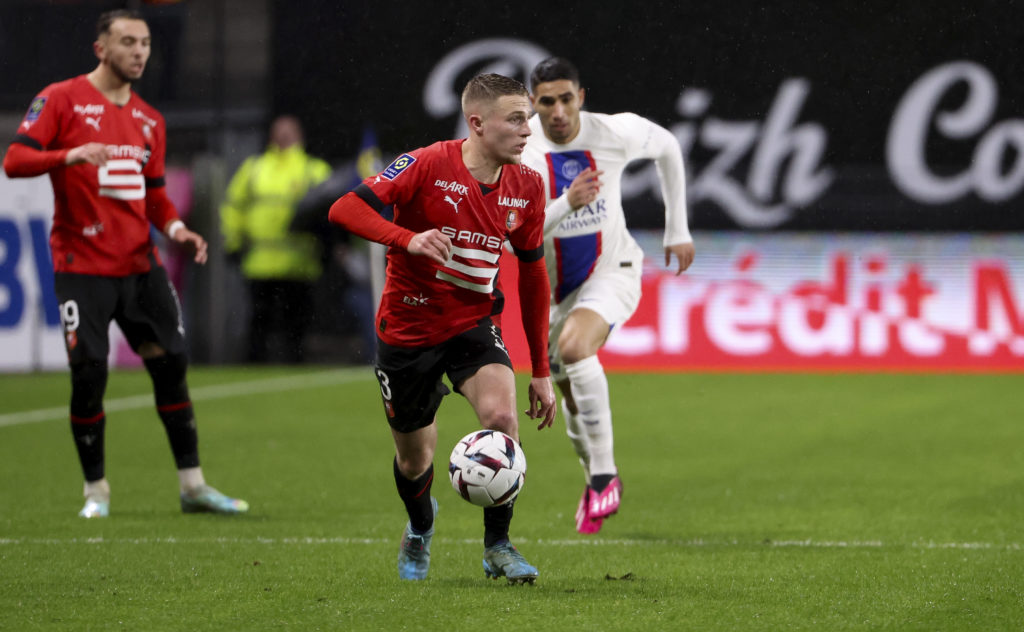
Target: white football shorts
<point>613,294</point>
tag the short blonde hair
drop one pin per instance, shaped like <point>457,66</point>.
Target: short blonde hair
<point>490,87</point>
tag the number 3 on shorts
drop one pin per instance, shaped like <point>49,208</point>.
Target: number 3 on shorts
<point>385,386</point>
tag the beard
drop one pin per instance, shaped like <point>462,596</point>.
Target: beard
<point>124,74</point>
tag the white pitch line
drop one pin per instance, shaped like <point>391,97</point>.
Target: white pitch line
<point>205,393</point>
<point>696,543</point>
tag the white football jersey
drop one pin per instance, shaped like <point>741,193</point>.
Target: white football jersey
<point>593,238</point>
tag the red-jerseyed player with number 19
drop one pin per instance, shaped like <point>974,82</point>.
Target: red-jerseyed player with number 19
<point>455,203</point>
<point>103,147</point>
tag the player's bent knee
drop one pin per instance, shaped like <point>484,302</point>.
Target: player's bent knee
<point>574,352</point>
<point>503,420</point>
<point>574,348</point>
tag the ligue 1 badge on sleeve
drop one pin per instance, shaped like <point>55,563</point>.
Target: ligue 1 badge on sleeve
<point>510,220</point>
<point>35,109</point>
<point>399,165</point>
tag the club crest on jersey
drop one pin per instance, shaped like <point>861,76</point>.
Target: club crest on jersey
<point>400,164</point>
<point>35,109</point>
<point>510,219</point>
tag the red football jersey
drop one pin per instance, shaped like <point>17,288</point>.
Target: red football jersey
<point>100,224</point>
<point>425,303</point>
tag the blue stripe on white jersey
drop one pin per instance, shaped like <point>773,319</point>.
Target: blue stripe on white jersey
<point>576,257</point>
<point>564,166</point>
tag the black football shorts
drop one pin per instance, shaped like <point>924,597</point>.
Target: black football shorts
<point>411,377</point>
<point>145,307</point>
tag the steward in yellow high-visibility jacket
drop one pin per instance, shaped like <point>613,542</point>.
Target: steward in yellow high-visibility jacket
<point>258,211</point>
<point>280,265</point>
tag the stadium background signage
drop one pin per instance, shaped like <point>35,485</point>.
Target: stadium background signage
<point>30,335</point>
<point>829,117</point>
<point>30,330</point>
<point>808,301</point>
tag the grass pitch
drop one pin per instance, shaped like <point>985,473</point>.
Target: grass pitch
<point>752,502</point>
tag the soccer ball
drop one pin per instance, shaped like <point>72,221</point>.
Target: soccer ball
<point>487,468</point>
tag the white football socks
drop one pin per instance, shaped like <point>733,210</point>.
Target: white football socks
<point>590,392</point>
<point>574,428</point>
<point>97,490</point>
<point>190,478</point>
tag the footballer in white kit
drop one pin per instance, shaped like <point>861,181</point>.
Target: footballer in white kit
<point>594,264</point>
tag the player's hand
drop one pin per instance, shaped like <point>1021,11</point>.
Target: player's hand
<point>542,401</point>
<point>584,188</point>
<point>194,241</point>
<point>92,153</point>
<point>433,244</point>
<point>683,252</point>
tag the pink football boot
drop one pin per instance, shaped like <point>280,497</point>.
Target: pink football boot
<point>605,503</point>
<point>584,522</point>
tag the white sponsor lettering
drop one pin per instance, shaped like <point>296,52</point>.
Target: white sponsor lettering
<point>88,110</point>
<point>454,187</point>
<point>786,171</point>
<point>472,238</point>
<point>133,152</point>
<point>137,113</point>
<point>504,200</point>
<point>994,170</point>
<point>762,171</point>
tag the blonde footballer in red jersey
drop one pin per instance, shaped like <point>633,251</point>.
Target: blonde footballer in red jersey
<point>103,148</point>
<point>456,203</point>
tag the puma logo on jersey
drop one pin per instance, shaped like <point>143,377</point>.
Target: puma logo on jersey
<point>455,204</point>
<point>93,121</point>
